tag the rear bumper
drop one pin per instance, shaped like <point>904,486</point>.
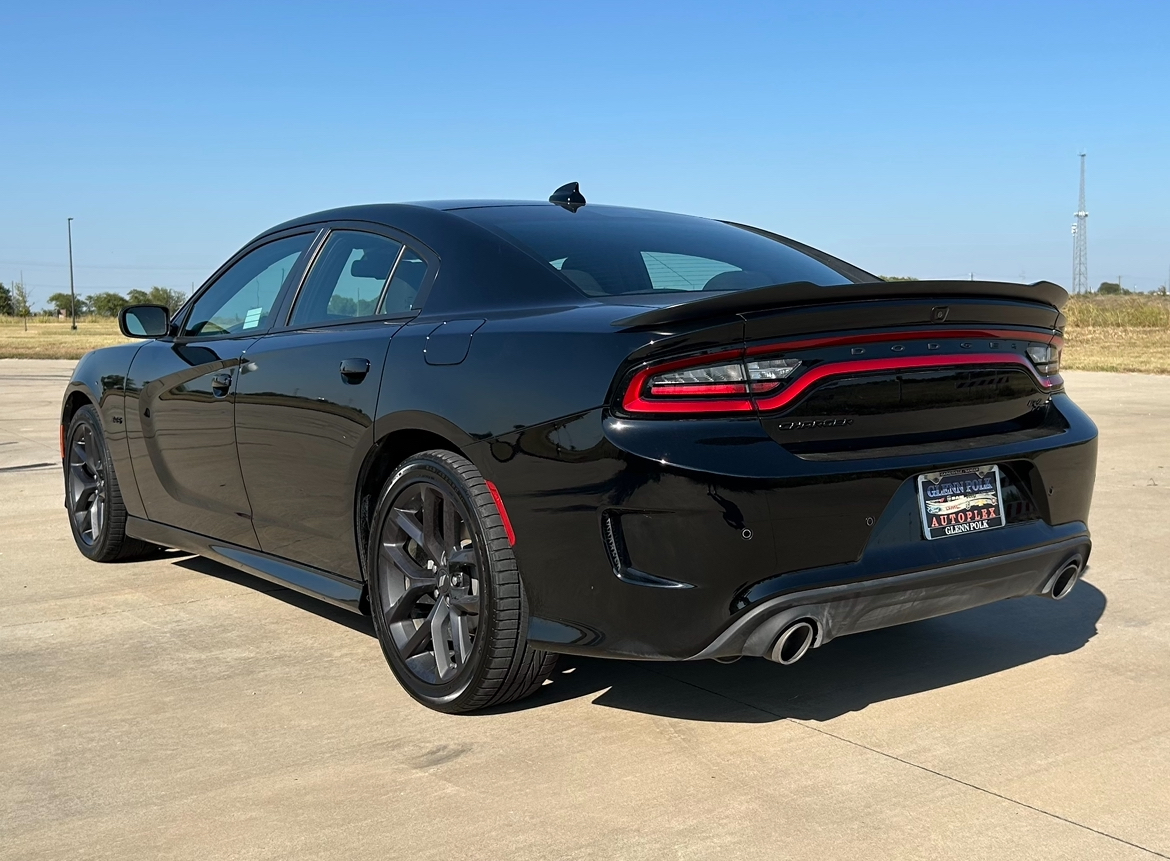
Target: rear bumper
<point>867,605</point>
<point>655,539</point>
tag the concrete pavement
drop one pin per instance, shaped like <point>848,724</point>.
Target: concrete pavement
<point>174,708</point>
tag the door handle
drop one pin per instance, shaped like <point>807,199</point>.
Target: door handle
<point>220,384</point>
<point>354,370</point>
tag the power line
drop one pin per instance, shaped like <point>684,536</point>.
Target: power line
<point>41,264</point>
<point>33,285</point>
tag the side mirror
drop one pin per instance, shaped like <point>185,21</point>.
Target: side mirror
<point>145,321</point>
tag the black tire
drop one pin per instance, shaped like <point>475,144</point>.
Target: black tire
<point>97,517</point>
<point>457,577</point>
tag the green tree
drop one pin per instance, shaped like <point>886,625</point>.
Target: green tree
<point>64,302</point>
<point>173,299</point>
<point>897,278</point>
<point>106,304</point>
<point>21,303</point>
<point>7,309</point>
<point>342,306</point>
<point>1109,288</point>
<point>61,302</point>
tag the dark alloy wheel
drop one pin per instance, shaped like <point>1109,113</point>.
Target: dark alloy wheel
<point>446,597</point>
<point>86,484</point>
<point>431,571</point>
<point>97,517</point>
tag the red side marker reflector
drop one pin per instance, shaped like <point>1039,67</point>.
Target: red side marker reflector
<point>61,428</point>
<point>503,512</point>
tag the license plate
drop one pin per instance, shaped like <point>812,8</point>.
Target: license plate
<point>960,501</point>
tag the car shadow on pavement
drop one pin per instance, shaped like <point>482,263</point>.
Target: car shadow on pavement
<point>846,675</point>
<point>344,617</point>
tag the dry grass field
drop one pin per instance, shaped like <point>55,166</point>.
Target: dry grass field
<point>49,338</point>
<point>1118,333</point>
<point>1105,333</point>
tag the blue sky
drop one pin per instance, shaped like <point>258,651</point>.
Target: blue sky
<point>927,139</point>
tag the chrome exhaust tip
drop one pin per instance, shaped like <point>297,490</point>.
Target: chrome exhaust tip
<point>793,642</point>
<point>1063,581</point>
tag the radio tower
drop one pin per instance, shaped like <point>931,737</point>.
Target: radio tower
<point>1080,282</point>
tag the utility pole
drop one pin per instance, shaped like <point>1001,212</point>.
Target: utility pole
<point>1080,281</point>
<point>72,293</point>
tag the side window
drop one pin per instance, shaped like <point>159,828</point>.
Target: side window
<point>242,297</point>
<point>404,286</point>
<point>348,278</point>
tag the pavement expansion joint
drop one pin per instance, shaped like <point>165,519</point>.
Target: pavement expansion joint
<point>24,467</point>
<point>927,769</point>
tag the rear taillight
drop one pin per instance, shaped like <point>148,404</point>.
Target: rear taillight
<point>736,381</point>
<point>728,379</point>
<point>1046,358</point>
<point>702,385</point>
<point>767,375</point>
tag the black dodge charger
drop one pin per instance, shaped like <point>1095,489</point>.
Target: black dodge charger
<point>508,430</point>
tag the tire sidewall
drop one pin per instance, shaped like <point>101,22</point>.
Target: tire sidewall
<point>441,697</point>
<point>88,416</point>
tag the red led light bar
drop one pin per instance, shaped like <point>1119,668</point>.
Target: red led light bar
<point>684,399</point>
<point>912,335</point>
<point>901,363</point>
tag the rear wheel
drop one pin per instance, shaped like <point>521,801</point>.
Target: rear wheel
<point>445,593</point>
<point>93,499</point>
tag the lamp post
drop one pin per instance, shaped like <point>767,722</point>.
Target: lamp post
<point>72,294</point>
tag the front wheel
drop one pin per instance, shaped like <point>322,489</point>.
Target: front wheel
<point>445,593</point>
<point>93,499</point>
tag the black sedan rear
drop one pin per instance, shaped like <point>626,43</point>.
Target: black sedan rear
<point>509,430</point>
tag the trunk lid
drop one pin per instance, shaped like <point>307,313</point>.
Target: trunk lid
<point>888,366</point>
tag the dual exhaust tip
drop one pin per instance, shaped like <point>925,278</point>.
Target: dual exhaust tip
<point>800,636</point>
<point>1066,576</point>
<point>793,642</point>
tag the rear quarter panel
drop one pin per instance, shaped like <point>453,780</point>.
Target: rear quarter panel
<point>527,406</point>
<point>518,372</point>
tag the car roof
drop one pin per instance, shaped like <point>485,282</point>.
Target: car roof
<point>449,205</point>
<point>473,253</point>
<point>390,214</point>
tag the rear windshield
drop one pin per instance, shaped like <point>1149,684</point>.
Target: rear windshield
<point>611,251</point>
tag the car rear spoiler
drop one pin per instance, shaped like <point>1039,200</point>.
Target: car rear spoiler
<point>805,293</point>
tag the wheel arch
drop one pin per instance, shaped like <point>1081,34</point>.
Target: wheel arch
<point>76,398</point>
<point>387,453</point>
